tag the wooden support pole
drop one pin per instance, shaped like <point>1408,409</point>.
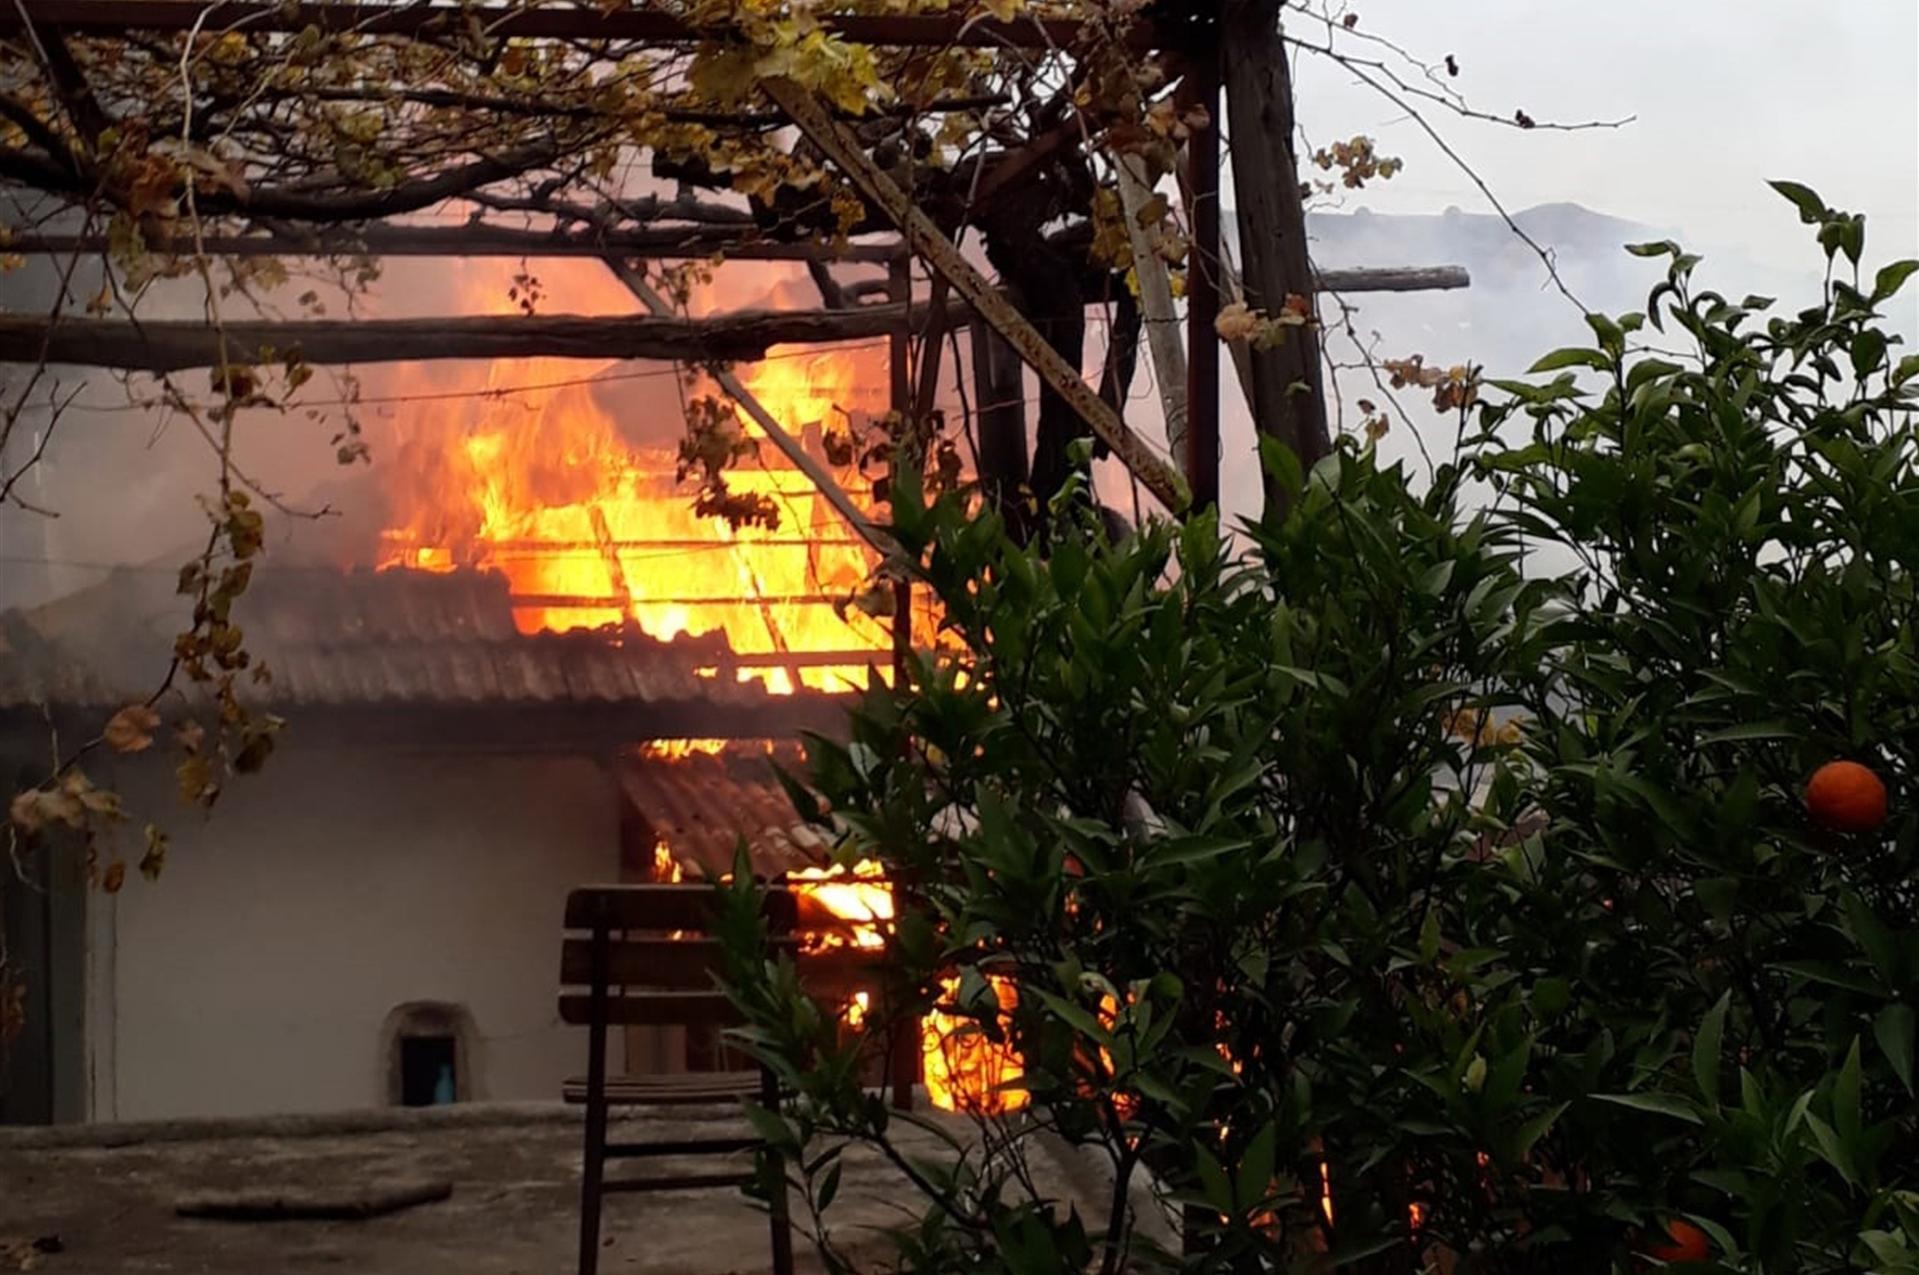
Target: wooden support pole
<point>171,345</point>
<point>1156,304</point>
<point>999,402</point>
<point>1202,291</point>
<point>1289,399</point>
<point>899,280</point>
<point>926,240</point>
<point>926,394</point>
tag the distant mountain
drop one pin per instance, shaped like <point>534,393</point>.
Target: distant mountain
<point>1511,314</point>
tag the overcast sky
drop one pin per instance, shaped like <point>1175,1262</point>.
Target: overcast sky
<point>1727,94</point>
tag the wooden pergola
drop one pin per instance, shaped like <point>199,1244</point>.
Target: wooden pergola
<point>638,230</point>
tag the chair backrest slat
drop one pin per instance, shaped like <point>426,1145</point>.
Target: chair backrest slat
<point>663,963</point>
<point>654,1008</point>
<point>690,964</point>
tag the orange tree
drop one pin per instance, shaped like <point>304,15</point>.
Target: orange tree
<point>1744,976</point>
<point>1393,857</point>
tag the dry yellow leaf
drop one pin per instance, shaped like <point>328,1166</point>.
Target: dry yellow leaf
<point>131,729</point>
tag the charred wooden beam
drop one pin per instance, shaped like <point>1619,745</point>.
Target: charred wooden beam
<point>483,240</point>
<point>166,346</point>
<point>1394,279</point>
<point>500,21</point>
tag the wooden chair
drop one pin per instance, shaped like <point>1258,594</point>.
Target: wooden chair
<point>645,954</point>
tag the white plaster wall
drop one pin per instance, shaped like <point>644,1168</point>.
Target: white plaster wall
<point>255,975</point>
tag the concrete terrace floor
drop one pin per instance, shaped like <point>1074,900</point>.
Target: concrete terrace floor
<point>108,1194</point>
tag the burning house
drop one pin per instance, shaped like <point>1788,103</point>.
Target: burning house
<point>542,669</point>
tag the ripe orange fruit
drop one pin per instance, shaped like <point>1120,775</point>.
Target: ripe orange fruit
<point>1689,1243</point>
<point>1846,797</point>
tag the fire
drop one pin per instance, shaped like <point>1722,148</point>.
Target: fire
<point>681,749</point>
<point>585,515</point>
<point>962,1070</point>
<point>860,894</point>
<point>666,869</point>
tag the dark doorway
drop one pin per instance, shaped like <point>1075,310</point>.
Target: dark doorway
<point>428,1076</point>
<point>43,917</point>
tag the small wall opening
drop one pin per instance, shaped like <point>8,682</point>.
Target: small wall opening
<point>429,1071</point>
<point>430,1054</point>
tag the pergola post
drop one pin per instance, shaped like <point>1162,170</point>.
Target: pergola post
<point>1202,290</point>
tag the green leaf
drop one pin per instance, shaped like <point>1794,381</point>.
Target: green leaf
<point>1847,1109</point>
<point>1750,730</point>
<point>1533,1130</point>
<point>1437,577</point>
<point>1894,1030</point>
<point>1831,1148</point>
<point>1256,1167</point>
<point>1612,337</point>
<point>1868,352</point>
<point>1879,943</point>
<point>1212,1180</point>
<point>1657,248</point>
<point>831,1186</point>
<point>1659,1104</point>
<point>777,1132</point>
<point>1891,278</point>
<point>1570,356</point>
<point>1191,849</point>
<point>1812,209</point>
<point>1831,974</point>
<point>1075,1017</point>
<point>1551,996</point>
<point>1719,1234</point>
<point>1707,1047</point>
<point>1281,462</point>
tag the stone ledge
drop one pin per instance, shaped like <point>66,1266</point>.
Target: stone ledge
<point>319,1124</point>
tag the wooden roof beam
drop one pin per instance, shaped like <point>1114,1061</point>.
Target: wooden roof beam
<point>168,346</point>
<point>485,240</point>
<point>586,22</point>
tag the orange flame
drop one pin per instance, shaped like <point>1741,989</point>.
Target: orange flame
<point>681,749</point>
<point>666,869</point>
<point>860,894</point>
<point>964,1071</point>
<point>593,529</point>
